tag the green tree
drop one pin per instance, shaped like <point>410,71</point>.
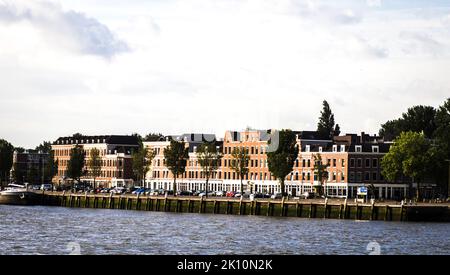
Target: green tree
<point>239,163</point>
<point>51,167</point>
<point>281,160</point>
<point>45,147</point>
<point>410,155</point>
<point>6,159</point>
<point>95,164</point>
<point>19,175</point>
<point>153,137</point>
<point>75,166</point>
<point>142,158</point>
<point>337,130</point>
<point>325,127</point>
<point>176,156</point>
<point>416,119</point>
<point>209,159</point>
<point>33,175</point>
<point>442,139</point>
<point>320,172</point>
<point>19,149</point>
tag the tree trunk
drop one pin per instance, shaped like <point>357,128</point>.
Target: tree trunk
<point>282,187</point>
<point>174,185</point>
<point>242,187</point>
<point>418,191</point>
<point>206,186</point>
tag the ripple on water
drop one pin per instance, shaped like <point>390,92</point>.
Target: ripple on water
<point>48,230</point>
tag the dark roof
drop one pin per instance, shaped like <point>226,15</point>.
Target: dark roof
<point>308,135</point>
<point>196,137</point>
<point>111,139</point>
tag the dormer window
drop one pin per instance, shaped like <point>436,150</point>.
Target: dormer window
<point>320,149</point>
<point>195,149</point>
<point>334,148</point>
<point>342,148</point>
<point>307,148</point>
<point>358,148</point>
<point>375,149</point>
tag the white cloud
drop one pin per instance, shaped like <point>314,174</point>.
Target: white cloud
<point>374,3</point>
<point>209,66</point>
<point>76,29</point>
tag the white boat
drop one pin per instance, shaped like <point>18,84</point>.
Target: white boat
<point>17,194</point>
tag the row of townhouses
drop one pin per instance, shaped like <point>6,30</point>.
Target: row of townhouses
<point>354,161</point>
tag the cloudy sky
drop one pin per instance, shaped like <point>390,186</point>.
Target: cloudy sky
<point>118,67</point>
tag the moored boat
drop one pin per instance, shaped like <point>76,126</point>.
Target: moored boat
<point>18,195</point>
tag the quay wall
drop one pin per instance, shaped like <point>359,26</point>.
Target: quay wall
<point>260,207</point>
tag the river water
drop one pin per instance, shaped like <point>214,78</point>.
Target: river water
<point>58,230</point>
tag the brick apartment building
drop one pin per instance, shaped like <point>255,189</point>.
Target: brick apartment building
<point>354,161</point>
<point>28,167</point>
<point>115,154</point>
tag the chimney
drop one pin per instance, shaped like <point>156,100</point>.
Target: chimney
<point>362,138</point>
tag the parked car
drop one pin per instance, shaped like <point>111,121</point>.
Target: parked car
<point>308,195</point>
<point>230,194</point>
<point>184,193</point>
<point>237,195</point>
<point>220,193</point>
<point>276,196</point>
<point>118,190</point>
<point>202,194</point>
<point>140,190</point>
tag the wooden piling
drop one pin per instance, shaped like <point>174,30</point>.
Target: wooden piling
<point>372,210</point>
<point>240,206</point>
<point>386,213</point>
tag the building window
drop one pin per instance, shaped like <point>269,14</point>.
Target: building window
<point>367,163</point>
<point>343,162</point>
<point>375,163</point>
<point>342,148</point>
<point>334,148</point>
<point>351,177</point>
<point>358,176</point>
<point>374,176</point>
<point>334,162</point>
<point>375,149</point>
<point>307,148</point>
<point>367,176</point>
<point>352,163</point>
<point>359,163</point>
<point>358,148</point>
<point>309,163</point>
<point>303,162</point>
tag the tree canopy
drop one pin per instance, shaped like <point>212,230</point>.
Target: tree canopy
<point>326,127</point>
<point>417,119</point>
<point>176,156</point>
<point>208,157</point>
<point>75,166</point>
<point>6,159</point>
<point>94,164</point>
<point>410,156</point>
<point>281,160</point>
<point>142,158</point>
<point>239,163</point>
